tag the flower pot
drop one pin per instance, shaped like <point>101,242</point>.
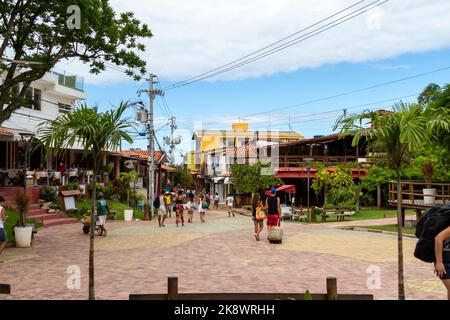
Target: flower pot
<point>429,196</point>
<point>128,215</point>
<point>23,236</point>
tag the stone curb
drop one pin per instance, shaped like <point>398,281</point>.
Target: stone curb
<point>375,231</point>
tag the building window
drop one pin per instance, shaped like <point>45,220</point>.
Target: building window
<point>33,97</point>
<point>64,108</point>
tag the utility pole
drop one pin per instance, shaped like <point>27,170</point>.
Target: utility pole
<point>151,142</point>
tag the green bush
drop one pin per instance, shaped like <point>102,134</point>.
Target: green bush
<point>72,186</point>
<point>48,194</point>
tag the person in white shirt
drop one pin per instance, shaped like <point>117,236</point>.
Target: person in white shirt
<point>3,237</point>
<point>230,205</point>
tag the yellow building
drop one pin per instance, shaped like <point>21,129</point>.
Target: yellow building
<point>238,136</point>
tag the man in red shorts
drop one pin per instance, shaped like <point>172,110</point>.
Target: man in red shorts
<point>273,209</point>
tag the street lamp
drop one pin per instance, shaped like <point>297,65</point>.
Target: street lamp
<point>308,168</point>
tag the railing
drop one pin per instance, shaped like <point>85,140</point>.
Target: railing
<point>412,194</point>
<point>299,160</point>
<point>173,294</point>
<point>71,81</point>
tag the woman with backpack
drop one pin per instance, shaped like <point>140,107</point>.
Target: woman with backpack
<point>442,265</point>
<point>258,215</point>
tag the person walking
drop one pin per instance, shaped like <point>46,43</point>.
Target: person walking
<point>190,206</point>
<point>102,213</point>
<point>258,214</point>
<point>160,207</point>
<point>273,210</point>
<point>216,201</point>
<point>202,208</point>
<point>168,204</point>
<point>3,237</point>
<point>442,265</point>
<point>230,205</point>
<point>179,208</point>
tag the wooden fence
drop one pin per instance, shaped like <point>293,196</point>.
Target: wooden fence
<point>173,294</point>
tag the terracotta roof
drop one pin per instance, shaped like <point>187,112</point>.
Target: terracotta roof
<point>142,154</point>
<point>5,132</point>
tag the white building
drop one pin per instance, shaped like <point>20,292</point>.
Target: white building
<point>53,95</point>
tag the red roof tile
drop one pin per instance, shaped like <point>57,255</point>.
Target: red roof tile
<point>142,154</point>
<point>5,132</point>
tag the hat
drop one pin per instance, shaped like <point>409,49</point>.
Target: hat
<point>273,190</point>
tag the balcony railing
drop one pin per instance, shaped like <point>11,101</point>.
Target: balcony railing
<point>70,81</point>
<point>299,160</point>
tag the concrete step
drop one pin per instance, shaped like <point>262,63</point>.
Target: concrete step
<point>60,221</point>
<point>44,216</point>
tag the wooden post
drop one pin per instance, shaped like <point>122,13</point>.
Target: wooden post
<point>332,288</point>
<point>403,216</point>
<point>313,214</point>
<point>5,288</point>
<point>172,288</point>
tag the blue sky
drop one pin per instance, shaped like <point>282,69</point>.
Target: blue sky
<point>222,102</point>
<point>393,40</point>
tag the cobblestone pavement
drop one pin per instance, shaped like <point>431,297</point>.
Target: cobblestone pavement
<point>220,255</point>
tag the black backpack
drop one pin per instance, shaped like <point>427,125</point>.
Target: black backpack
<point>156,203</point>
<point>428,227</point>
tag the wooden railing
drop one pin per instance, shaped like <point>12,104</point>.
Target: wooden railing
<point>299,160</point>
<point>173,294</point>
<point>412,194</point>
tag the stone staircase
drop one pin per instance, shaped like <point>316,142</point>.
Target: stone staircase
<point>35,212</point>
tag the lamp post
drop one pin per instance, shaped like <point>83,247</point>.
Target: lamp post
<point>308,168</point>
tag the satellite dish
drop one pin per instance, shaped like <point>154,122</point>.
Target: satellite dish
<point>177,140</point>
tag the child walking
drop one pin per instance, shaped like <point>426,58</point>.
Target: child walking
<point>202,208</point>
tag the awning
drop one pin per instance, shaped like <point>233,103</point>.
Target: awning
<point>168,169</point>
<point>227,180</point>
<point>6,132</point>
<point>289,188</point>
<point>218,179</point>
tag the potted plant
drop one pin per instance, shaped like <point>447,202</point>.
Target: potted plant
<point>429,193</point>
<point>126,179</point>
<point>22,231</point>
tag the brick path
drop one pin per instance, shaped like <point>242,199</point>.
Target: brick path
<point>218,256</point>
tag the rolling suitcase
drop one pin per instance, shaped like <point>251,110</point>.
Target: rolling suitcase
<point>276,234</point>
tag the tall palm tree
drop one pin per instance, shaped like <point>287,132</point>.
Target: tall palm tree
<point>96,133</point>
<point>393,137</point>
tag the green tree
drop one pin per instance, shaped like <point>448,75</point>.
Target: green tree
<point>429,94</point>
<point>125,181</point>
<point>39,32</point>
<point>321,181</point>
<point>376,177</point>
<point>183,177</point>
<point>95,132</point>
<point>248,178</point>
<point>393,138</point>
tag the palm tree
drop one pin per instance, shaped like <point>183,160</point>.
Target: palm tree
<point>96,133</point>
<point>393,137</point>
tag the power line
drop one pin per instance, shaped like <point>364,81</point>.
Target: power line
<point>290,43</point>
<point>379,85</point>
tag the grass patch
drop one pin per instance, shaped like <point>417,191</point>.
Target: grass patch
<point>116,206</point>
<point>391,228</point>
<point>367,214</point>
<point>11,220</point>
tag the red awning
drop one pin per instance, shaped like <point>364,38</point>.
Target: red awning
<point>289,188</point>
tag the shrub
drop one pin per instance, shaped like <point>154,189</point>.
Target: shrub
<point>49,194</point>
<point>72,186</point>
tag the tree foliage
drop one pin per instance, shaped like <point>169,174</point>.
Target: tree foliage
<point>38,31</point>
<point>377,176</point>
<point>183,177</point>
<point>249,179</point>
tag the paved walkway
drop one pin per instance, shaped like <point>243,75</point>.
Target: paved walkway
<point>218,256</point>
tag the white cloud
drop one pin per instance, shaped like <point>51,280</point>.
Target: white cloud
<point>191,37</point>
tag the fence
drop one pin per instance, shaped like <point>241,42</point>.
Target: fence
<point>412,194</point>
<point>173,294</point>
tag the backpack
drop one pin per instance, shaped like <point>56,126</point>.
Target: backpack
<point>205,205</point>
<point>428,227</point>
<point>156,203</point>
